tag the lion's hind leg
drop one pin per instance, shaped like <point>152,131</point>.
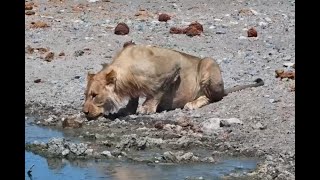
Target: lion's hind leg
<point>211,84</point>
<point>198,103</point>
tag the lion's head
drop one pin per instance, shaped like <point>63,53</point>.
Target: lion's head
<point>100,96</point>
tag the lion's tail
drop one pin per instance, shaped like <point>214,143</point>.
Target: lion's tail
<point>258,82</point>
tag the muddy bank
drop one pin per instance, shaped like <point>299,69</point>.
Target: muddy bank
<point>162,138</point>
<point>79,36</point>
<point>134,135</point>
<point>67,156</point>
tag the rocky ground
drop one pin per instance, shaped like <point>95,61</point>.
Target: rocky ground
<point>66,39</point>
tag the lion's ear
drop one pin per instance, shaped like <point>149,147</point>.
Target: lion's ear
<point>111,77</point>
<point>90,76</point>
<point>104,65</point>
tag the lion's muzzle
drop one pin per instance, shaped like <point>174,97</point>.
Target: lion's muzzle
<point>91,112</point>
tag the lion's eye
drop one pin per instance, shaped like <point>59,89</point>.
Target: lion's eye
<point>93,95</point>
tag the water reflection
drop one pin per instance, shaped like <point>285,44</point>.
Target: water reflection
<point>55,164</point>
<point>124,172</point>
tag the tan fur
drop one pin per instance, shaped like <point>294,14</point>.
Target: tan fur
<point>168,79</point>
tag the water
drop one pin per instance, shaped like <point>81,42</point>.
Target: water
<point>38,133</point>
<point>55,169</point>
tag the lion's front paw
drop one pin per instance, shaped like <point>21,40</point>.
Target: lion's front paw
<point>141,110</point>
<point>145,110</point>
<point>189,106</point>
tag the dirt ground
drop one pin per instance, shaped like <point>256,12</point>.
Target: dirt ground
<point>78,36</point>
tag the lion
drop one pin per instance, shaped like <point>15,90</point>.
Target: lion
<point>167,78</point>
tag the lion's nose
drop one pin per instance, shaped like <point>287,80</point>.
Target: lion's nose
<point>86,112</point>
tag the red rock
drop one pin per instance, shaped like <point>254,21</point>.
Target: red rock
<point>197,25</point>
<point>164,17</point>
<point>252,32</point>
<point>192,31</point>
<point>121,29</point>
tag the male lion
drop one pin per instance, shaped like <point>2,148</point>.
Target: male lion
<point>167,78</point>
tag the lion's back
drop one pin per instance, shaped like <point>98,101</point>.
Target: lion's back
<point>154,57</point>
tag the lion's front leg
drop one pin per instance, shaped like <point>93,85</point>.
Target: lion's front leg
<point>150,104</point>
<point>130,108</point>
<point>198,103</point>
